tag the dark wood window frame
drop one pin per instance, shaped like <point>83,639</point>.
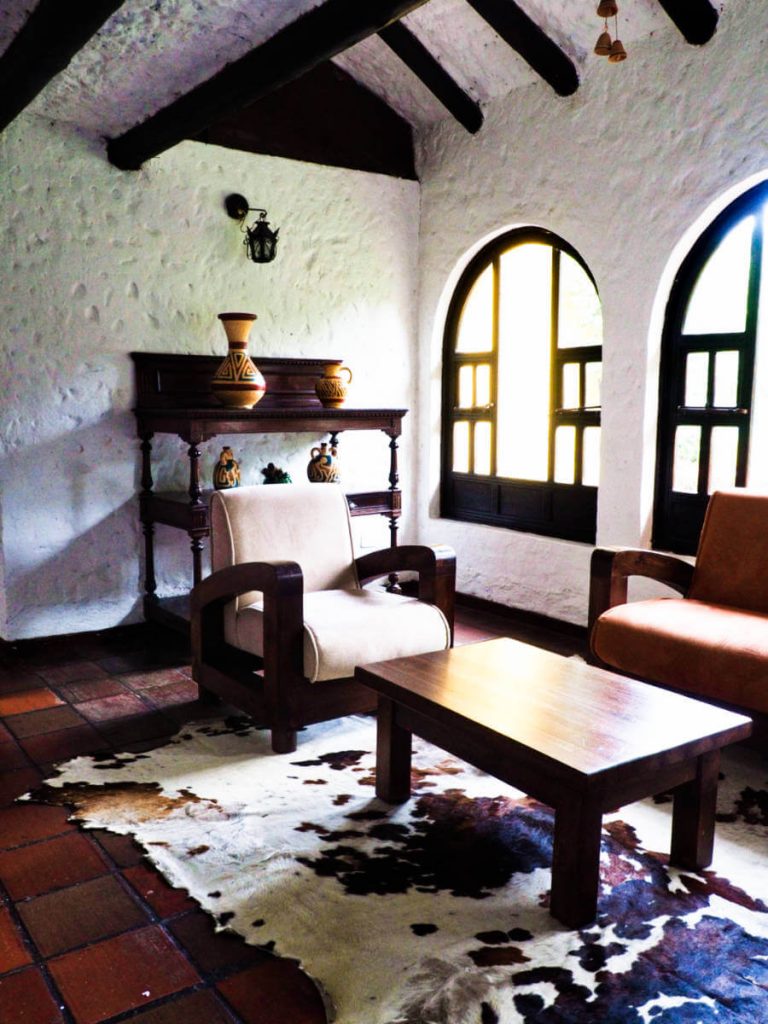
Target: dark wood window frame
<point>564,510</point>
<point>678,516</point>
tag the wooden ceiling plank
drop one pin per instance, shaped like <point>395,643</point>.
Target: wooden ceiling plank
<point>319,34</point>
<point>696,19</point>
<point>44,46</point>
<point>535,47</point>
<point>433,75</point>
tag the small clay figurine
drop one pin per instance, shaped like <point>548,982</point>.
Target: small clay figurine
<point>226,472</point>
<point>274,475</point>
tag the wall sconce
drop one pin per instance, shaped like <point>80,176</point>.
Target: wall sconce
<point>260,241</point>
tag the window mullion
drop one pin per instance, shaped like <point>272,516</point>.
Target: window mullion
<point>555,372</point>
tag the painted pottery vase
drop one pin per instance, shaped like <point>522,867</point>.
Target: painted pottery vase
<point>226,472</point>
<point>237,383</point>
<point>323,467</point>
<point>332,387</point>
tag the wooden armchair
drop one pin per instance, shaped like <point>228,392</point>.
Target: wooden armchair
<point>284,618</point>
<point>711,644</point>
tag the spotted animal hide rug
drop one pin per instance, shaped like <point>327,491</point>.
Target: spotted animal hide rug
<point>435,911</point>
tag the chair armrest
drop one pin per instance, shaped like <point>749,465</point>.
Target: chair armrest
<point>436,566</point>
<point>611,568</point>
<point>282,584</point>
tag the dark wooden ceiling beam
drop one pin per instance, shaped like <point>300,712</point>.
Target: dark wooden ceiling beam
<point>319,34</point>
<point>44,46</point>
<point>696,19</point>
<point>433,75</point>
<point>532,43</point>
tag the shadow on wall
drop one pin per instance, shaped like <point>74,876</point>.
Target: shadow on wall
<point>71,536</point>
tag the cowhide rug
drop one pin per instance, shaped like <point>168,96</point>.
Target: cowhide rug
<point>436,911</point>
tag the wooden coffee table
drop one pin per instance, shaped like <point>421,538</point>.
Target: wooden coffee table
<point>576,737</point>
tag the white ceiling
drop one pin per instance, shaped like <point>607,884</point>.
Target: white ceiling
<point>152,51</point>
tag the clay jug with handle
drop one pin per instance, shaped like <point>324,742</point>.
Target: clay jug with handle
<point>332,387</point>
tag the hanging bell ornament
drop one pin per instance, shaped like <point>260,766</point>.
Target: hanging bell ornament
<point>617,52</point>
<point>603,45</point>
<point>607,9</point>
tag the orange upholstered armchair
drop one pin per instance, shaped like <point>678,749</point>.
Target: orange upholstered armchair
<point>711,644</point>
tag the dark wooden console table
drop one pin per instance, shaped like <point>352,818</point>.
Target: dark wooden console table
<point>174,397</point>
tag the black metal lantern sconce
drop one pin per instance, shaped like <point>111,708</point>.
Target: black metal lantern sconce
<point>260,240</point>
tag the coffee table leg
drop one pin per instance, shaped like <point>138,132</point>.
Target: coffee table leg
<point>576,862</point>
<point>393,755</point>
<point>693,815</point>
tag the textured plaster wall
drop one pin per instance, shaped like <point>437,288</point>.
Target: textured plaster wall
<point>98,263</point>
<point>621,170</point>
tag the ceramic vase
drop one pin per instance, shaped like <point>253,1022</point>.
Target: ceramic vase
<point>323,467</point>
<point>237,383</point>
<point>332,387</point>
<point>226,472</point>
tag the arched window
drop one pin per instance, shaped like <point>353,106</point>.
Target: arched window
<point>707,371</point>
<point>521,389</point>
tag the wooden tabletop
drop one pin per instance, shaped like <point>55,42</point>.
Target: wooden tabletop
<point>581,717</point>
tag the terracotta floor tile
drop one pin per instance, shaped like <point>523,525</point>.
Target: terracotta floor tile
<point>137,661</point>
<point>91,689</point>
<point>195,1008</point>
<point>148,680</point>
<point>123,850</point>
<point>63,744</point>
<point>137,729</point>
<point>13,952</point>
<point>52,864</point>
<point>15,783</point>
<point>83,913</point>
<point>183,692</point>
<point>212,950</point>
<point>107,709</point>
<point>5,735</point>
<point>25,999</point>
<point>68,671</point>
<point>29,823</point>
<point>152,887</point>
<point>121,974</point>
<point>28,700</point>
<point>13,680</point>
<point>36,722</point>
<point>274,992</point>
<point>12,756</point>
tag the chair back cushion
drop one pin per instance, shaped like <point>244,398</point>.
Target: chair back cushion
<point>308,524</point>
<point>732,560</point>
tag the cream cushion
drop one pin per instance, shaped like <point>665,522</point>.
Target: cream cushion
<point>344,624</point>
<point>345,628</point>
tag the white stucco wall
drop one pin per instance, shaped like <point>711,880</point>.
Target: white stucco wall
<point>620,170</point>
<point>98,263</point>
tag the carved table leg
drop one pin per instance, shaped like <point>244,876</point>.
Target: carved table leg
<point>150,581</point>
<point>196,500</point>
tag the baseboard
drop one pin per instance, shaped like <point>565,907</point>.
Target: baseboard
<point>520,616</point>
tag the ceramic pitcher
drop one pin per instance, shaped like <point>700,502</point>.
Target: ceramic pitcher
<point>332,387</point>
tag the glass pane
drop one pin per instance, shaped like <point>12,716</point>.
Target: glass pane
<point>593,382</point>
<point>475,332</point>
<point>524,362</point>
<point>482,448</point>
<point>590,470</point>
<point>581,319</point>
<point>696,374</point>
<point>482,385</point>
<point>718,303</point>
<point>727,379</point>
<point>571,389</point>
<point>461,447</point>
<point>565,455</point>
<point>685,469</point>
<point>466,375</point>
<point>723,451</point>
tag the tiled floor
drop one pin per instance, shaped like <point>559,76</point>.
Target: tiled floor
<point>89,932</point>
